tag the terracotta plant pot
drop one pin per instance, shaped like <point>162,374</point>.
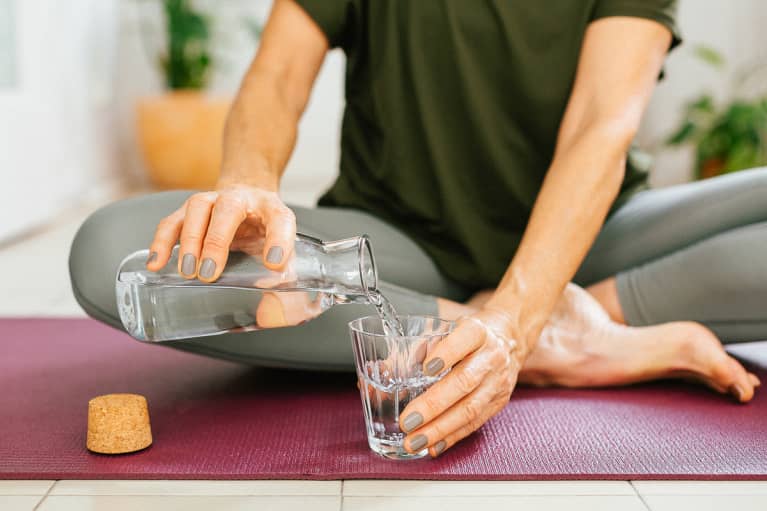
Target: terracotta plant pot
<point>180,134</point>
<point>712,168</point>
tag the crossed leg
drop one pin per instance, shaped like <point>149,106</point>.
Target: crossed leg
<point>673,272</point>
<point>581,346</point>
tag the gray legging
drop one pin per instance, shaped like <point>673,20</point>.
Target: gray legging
<point>688,252</point>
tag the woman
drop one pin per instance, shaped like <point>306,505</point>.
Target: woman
<point>486,151</point>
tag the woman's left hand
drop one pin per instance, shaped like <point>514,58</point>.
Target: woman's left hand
<point>485,361</point>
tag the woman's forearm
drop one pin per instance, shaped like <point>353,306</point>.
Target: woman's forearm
<point>259,136</point>
<point>577,193</point>
<point>261,128</point>
<point>618,67</point>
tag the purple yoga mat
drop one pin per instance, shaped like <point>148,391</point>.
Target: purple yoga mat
<point>218,420</point>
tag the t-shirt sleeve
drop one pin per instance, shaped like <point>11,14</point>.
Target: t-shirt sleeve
<point>334,18</point>
<point>662,11</point>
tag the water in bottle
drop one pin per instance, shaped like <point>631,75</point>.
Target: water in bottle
<point>163,306</point>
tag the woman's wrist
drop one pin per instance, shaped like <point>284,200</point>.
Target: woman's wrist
<point>248,170</point>
<point>518,323</point>
<point>502,323</point>
<point>253,178</point>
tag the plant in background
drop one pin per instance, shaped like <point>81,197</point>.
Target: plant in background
<point>180,130</point>
<point>186,63</point>
<point>727,137</point>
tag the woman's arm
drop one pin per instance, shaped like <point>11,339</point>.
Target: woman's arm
<point>261,129</point>
<point>620,61</point>
<point>259,137</point>
<point>619,64</point>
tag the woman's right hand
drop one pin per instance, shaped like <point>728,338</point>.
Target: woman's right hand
<point>209,224</point>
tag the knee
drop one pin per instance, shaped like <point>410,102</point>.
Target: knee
<point>91,269</point>
<point>104,239</point>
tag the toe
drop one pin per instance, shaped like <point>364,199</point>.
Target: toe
<point>722,372</point>
<point>726,375</point>
<point>742,386</point>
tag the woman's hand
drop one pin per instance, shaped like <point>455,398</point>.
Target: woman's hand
<point>209,224</point>
<point>259,136</point>
<point>485,362</point>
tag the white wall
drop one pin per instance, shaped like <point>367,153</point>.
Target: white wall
<point>56,117</point>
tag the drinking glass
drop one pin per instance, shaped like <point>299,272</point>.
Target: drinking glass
<point>390,373</point>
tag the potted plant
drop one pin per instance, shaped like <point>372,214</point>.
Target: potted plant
<point>727,137</point>
<point>180,131</point>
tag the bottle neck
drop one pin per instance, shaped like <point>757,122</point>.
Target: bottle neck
<point>351,266</point>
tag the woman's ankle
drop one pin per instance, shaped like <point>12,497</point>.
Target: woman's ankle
<point>606,293</point>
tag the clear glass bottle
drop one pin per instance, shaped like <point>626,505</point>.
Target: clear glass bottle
<point>164,306</point>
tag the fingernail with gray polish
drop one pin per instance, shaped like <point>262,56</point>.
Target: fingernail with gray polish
<point>439,447</point>
<point>152,258</point>
<point>412,421</point>
<point>418,443</point>
<point>274,255</point>
<point>188,264</point>
<point>207,268</point>
<point>434,366</point>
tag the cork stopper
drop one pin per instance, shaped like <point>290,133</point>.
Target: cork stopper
<point>118,423</point>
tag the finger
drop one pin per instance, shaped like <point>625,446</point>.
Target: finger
<point>165,237</point>
<point>462,380</point>
<point>440,446</point>
<point>300,307</point>
<point>270,312</point>
<point>196,220</point>
<point>754,380</point>
<point>471,410</point>
<point>280,223</point>
<point>467,338</point>
<point>286,309</point>
<point>226,217</point>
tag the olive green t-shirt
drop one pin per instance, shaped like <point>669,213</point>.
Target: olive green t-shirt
<point>452,111</point>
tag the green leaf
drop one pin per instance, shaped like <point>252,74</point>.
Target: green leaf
<point>714,144</point>
<point>187,63</point>
<point>704,104</point>
<point>742,156</point>
<point>683,134</point>
<point>710,56</point>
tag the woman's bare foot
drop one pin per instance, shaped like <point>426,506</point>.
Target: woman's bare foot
<point>606,293</point>
<point>582,347</point>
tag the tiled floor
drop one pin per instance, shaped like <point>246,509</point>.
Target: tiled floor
<point>381,495</point>
<point>38,286</point>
